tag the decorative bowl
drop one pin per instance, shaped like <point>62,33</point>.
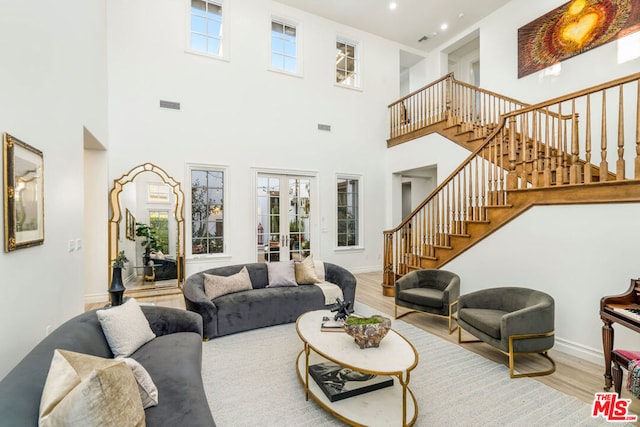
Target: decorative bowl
<point>368,335</point>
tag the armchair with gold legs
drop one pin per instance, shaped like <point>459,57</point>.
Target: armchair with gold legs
<point>430,291</point>
<point>514,320</point>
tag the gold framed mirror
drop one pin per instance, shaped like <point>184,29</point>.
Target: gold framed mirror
<point>152,200</point>
<point>23,195</point>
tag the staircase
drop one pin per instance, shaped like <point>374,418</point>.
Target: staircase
<point>554,152</point>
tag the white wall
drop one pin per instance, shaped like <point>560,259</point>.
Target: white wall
<point>53,82</point>
<point>240,115</point>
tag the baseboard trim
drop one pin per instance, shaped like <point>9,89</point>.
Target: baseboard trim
<point>365,269</point>
<point>94,298</point>
<point>589,354</point>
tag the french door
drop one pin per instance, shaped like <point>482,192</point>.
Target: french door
<point>283,221</point>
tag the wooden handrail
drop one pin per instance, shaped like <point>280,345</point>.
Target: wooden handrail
<point>548,144</point>
<point>422,89</point>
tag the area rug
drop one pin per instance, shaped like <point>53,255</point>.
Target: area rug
<point>250,380</point>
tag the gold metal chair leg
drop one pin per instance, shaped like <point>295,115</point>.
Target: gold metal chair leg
<point>544,354</point>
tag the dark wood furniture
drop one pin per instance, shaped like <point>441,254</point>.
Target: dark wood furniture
<point>617,309</point>
<point>621,359</point>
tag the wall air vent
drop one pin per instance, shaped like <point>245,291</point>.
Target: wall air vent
<point>324,127</point>
<point>170,105</point>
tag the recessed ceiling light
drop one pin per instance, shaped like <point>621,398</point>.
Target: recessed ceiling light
<point>393,5</point>
<point>444,26</point>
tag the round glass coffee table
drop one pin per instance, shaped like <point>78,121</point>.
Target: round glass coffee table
<point>395,357</point>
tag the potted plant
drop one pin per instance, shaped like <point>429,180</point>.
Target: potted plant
<point>150,241</point>
<point>116,289</point>
<point>367,331</point>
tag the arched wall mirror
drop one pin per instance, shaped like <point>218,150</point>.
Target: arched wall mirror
<point>145,201</point>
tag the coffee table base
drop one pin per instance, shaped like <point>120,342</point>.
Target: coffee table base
<point>376,408</point>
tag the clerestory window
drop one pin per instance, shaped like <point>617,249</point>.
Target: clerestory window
<point>347,64</point>
<point>284,47</point>
<point>207,27</point>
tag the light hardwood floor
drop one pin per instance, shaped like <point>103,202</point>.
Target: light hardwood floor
<point>573,376</point>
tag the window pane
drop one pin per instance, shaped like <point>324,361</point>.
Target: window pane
<point>213,46</point>
<point>214,28</point>
<point>198,7</point>
<point>198,42</point>
<point>290,64</point>
<point>277,45</point>
<point>351,65</point>
<point>290,31</point>
<point>214,11</point>
<point>290,48</point>
<point>277,27</point>
<point>277,61</point>
<point>198,24</point>
<point>351,51</point>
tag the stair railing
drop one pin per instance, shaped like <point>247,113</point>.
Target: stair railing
<point>556,142</point>
<point>538,146</point>
<point>476,109</point>
<point>479,182</point>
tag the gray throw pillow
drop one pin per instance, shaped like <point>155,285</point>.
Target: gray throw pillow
<point>281,274</point>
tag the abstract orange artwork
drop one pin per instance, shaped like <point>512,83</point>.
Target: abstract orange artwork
<point>572,29</point>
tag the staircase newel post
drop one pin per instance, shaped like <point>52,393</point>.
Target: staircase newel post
<point>512,175</point>
<point>388,276</point>
<point>447,112</point>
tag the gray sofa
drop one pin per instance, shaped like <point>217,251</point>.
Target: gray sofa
<point>173,360</point>
<point>260,306</point>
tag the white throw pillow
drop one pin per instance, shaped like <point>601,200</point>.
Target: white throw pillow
<point>215,286</point>
<point>89,391</point>
<point>146,387</point>
<point>125,327</point>
<point>281,274</point>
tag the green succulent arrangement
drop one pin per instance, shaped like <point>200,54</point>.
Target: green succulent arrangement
<point>351,320</point>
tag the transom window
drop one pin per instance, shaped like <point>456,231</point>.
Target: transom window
<point>347,66</point>
<point>207,211</point>
<point>348,214</point>
<point>284,50</point>
<point>206,27</point>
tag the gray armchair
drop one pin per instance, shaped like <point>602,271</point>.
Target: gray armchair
<point>512,319</point>
<point>429,291</point>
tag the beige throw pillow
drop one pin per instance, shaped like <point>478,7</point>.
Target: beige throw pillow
<point>146,387</point>
<point>215,286</point>
<point>125,327</point>
<point>306,272</point>
<point>88,391</point>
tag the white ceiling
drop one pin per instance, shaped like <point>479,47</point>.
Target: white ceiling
<point>410,21</point>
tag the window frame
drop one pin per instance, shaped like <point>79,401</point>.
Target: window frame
<point>357,63</point>
<point>190,167</point>
<point>360,217</point>
<point>224,36</point>
<point>299,31</point>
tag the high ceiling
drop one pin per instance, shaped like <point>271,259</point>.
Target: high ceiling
<point>410,21</point>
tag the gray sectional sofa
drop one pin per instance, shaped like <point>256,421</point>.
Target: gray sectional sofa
<point>261,306</point>
<point>173,360</point>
